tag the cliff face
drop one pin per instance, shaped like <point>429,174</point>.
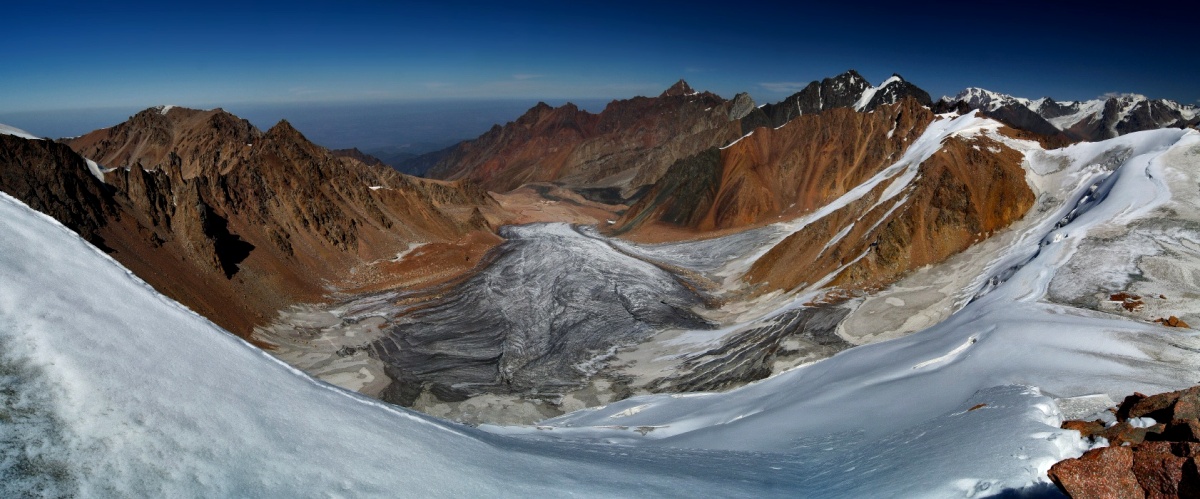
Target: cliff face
<point>961,194</point>
<point>234,222</point>
<point>52,179</point>
<point>628,145</point>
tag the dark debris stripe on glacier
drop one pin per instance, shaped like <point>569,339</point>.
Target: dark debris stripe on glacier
<point>551,301</point>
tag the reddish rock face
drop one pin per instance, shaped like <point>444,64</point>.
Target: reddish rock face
<point>1158,473</point>
<point>629,144</point>
<point>965,192</point>
<point>233,222</point>
<point>791,170</point>
<point>1100,473</point>
<point>1086,429</point>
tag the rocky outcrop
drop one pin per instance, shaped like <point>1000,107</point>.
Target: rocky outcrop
<point>629,144</point>
<point>52,179</point>
<point>1144,458</point>
<point>231,221</point>
<point>1172,321</point>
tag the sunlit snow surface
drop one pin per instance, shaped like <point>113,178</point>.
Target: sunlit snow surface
<point>109,389</point>
<point>9,130</point>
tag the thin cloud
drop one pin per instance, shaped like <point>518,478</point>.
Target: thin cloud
<point>1118,95</point>
<point>302,91</point>
<point>789,87</point>
<point>526,76</point>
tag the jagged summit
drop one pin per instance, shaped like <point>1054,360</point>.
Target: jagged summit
<point>849,89</point>
<point>680,87</point>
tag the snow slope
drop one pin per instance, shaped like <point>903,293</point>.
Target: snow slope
<point>110,389</point>
<point>8,130</point>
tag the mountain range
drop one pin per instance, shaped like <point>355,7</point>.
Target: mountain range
<point>832,253</point>
<point>1093,120</point>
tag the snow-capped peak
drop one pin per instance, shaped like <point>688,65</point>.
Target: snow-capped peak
<point>870,92</point>
<point>981,98</point>
<point>165,108</point>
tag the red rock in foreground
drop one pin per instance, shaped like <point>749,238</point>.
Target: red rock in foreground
<point>1100,473</point>
<point>1144,459</point>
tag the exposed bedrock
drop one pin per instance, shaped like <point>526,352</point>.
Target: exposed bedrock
<point>539,318</point>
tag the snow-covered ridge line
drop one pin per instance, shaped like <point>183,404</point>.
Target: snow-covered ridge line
<point>1065,114</point>
<point>16,132</point>
<point>870,92</point>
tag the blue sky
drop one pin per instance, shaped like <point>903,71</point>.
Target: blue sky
<point>63,55</point>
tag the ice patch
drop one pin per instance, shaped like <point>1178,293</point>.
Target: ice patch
<point>95,169</point>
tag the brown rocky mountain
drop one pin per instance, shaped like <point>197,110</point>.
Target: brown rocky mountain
<point>234,222</point>
<point>628,145</point>
<point>964,192</point>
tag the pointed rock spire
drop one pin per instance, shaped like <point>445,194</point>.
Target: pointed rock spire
<point>283,129</point>
<point>679,88</point>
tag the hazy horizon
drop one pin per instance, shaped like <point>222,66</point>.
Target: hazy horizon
<point>423,126</point>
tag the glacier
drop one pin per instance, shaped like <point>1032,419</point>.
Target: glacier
<point>110,389</point>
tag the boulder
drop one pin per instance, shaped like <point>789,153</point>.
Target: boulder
<point>1099,473</point>
<point>1158,473</point>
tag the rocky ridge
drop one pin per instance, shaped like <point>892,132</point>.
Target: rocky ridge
<point>629,144</point>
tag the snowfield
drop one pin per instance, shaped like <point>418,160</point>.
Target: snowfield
<point>109,389</point>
